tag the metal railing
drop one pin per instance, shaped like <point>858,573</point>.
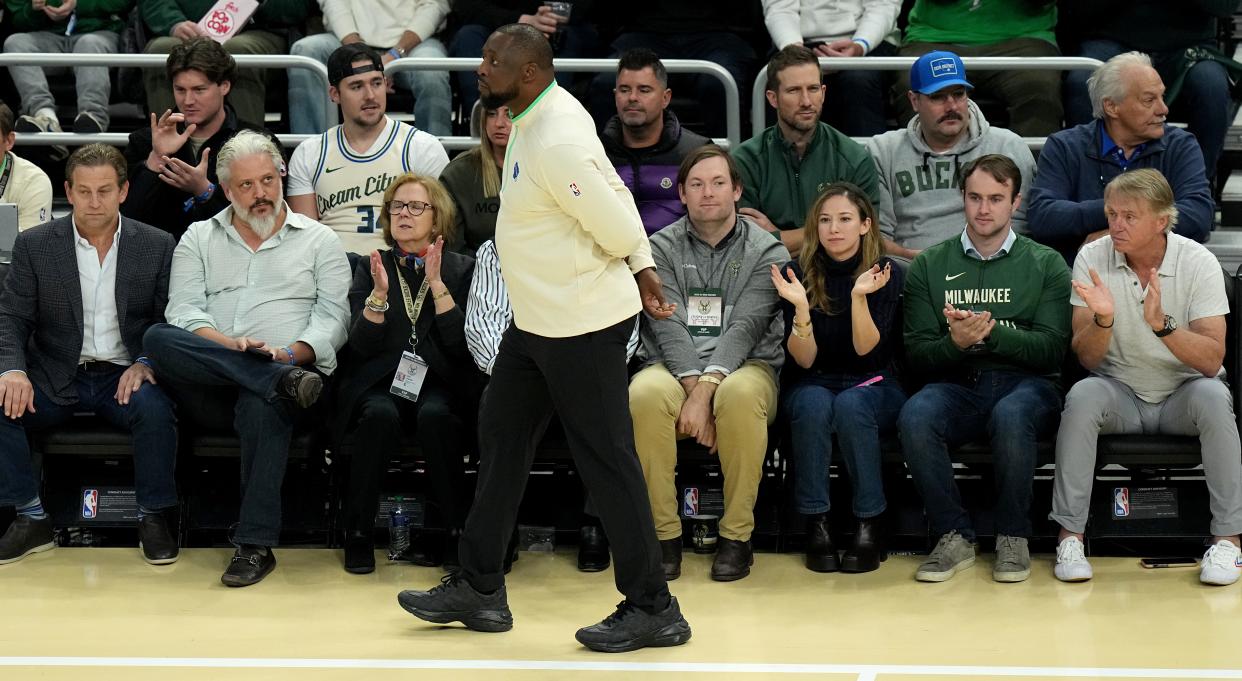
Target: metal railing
<point>759,106</point>
<point>733,111</point>
<point>121,139</point>
<point>281,61</point>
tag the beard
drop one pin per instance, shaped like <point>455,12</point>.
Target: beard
<point>494,99</point>
<point>801,125</point>
<point>262,225</point>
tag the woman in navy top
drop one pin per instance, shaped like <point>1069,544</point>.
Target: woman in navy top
<point>841,300</point>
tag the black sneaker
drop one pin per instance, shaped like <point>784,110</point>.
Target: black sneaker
<point>26,536</point>
<point>85,124</point>
<point>157,540</point>
<point>454,600</point>
<point>629,628</point>
<point>250,565</point>
<point>301,386</point>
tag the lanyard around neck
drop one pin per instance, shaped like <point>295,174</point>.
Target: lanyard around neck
<point>412,309</point>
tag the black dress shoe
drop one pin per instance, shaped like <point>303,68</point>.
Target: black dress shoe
<point>425,550</point>
<point>250,565</point>
<point>821,555</point>
<point>868,550</point>
<point>26,536</point>
<point>156,539</point>
<point>593,549</point>
<point>670,558</point>
<point>359,553</point>
<point>301,386</point>
<point>733,560</point>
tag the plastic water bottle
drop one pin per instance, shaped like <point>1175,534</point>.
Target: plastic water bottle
<point>398,530</point>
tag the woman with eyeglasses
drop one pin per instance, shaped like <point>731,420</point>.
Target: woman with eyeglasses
<point>406,368</point>
<point>473,179</point>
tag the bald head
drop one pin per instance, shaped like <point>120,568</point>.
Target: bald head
<point>516,67</point>
<point>528,44</point>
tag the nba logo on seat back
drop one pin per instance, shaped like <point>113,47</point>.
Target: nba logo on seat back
<point>1121,502</point>
<point>690,502</point>
<point>90,503</point>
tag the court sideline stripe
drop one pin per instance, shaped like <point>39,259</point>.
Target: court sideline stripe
<point>862,671</point>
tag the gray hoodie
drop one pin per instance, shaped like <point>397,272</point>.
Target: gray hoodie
<point>920,201</point>
<point>740,265</point>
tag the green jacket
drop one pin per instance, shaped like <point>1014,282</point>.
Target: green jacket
<point>93,15</point>
<point>1027,291</point>
<point>162,15</point>
<point>782,187</point>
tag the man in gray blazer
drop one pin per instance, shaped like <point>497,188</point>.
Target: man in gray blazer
<point>82,291</point>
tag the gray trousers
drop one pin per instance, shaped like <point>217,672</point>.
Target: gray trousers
<point>94,88</point>
<point>1104,406</point>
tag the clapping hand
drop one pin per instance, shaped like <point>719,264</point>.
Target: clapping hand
<point>379,277</point>
<point>1097,296</point>
<point>873,279</point>
<point>789,289</point>
<point>432,260</point>
<point>1153,311</point>
<point>968,328</point>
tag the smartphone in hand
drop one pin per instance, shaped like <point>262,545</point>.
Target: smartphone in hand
<point>261,352</point>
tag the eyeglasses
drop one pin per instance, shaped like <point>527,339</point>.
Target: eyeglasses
<point>416,207</point>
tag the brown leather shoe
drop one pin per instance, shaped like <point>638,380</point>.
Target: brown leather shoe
<point>733,560</point>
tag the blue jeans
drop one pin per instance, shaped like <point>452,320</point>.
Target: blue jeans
<point>433,100</point>
<point>862,98</point>
<point>577,41</point>
<point>819,406</point>
<point>149,416</point>
<point>225,389</point>
<point>1014,409</point>
<point>1204,101</point>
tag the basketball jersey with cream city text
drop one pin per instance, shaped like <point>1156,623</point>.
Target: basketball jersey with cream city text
<point>349,186</point>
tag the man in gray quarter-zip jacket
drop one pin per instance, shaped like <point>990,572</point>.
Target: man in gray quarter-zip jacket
<point>710,369</point>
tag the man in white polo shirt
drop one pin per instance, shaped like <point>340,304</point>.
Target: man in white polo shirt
<point>567,227</point>
<point>1149,322</point>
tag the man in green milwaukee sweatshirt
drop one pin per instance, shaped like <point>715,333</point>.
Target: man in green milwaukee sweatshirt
<point>987,321</point>
<point>784,168</point>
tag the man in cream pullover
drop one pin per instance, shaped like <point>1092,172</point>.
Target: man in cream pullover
<point>396,29</point>
<point>571,248</point>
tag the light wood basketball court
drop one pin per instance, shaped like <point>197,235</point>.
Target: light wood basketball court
<point>104,614</point>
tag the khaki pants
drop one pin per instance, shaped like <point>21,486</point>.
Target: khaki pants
<point>744,405</point>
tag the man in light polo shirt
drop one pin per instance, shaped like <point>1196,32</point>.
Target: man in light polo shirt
<point>1149,322</point>
<point>567,227</point>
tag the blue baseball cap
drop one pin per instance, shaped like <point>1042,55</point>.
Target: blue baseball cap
<point>935,71</point>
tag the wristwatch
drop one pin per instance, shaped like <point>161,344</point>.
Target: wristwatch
<point>1170,325</point>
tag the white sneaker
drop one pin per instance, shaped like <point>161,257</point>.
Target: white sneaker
<point>1222,564</point>
<point>1072,565</point>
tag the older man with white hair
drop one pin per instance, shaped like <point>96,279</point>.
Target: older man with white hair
<point>257,310</point>
<point>1065,206</point>
<point>1149,322</point>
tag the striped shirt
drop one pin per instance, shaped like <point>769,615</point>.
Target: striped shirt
<point>488,312</point>
<point>294,288</point>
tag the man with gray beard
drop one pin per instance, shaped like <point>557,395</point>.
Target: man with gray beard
<point>256,312</point>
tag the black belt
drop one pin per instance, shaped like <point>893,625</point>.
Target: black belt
<point>92,366</point>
